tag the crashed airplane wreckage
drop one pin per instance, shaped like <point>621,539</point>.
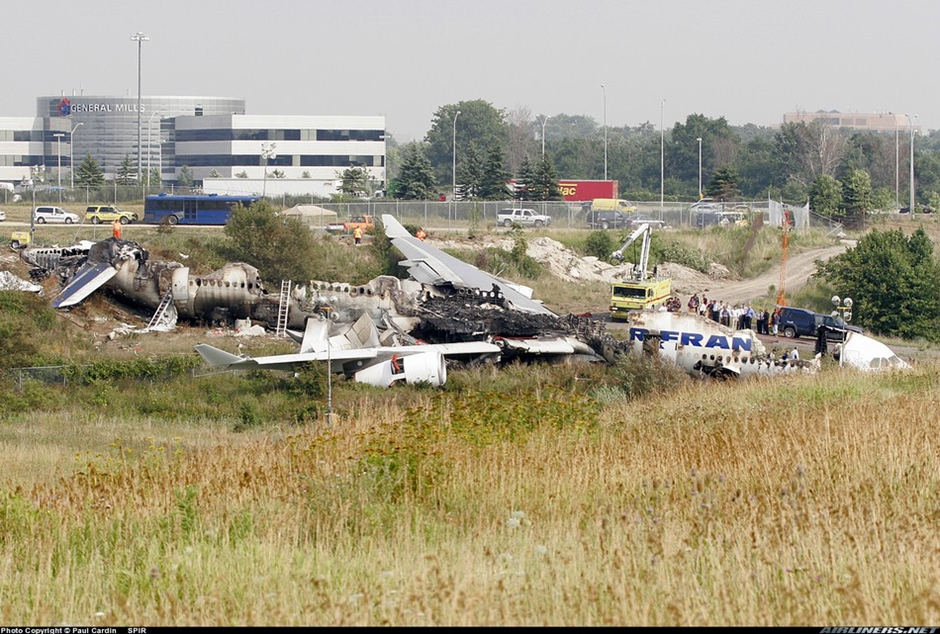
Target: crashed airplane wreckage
<point>467,313</point>
<point>390,330</point>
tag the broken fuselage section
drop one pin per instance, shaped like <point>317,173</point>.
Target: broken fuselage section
<point>125,269</point>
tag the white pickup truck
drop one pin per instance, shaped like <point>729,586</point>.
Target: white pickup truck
<point>525,217</point>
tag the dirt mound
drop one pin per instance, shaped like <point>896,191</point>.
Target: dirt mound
<point>567,265</point>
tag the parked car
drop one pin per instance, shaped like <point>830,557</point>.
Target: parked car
<point>705,205</point>
<point>3,215</point>
<point>97,214</point>
<point>606,219</point>
<point>524,217</point>
<point>42,215</point>
<point>800,322</point>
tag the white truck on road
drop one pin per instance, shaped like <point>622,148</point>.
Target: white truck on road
<point>525,217</point>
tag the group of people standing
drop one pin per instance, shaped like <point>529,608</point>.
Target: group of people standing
<point>739,317</point>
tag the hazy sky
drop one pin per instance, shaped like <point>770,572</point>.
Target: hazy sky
<point>746,60</point>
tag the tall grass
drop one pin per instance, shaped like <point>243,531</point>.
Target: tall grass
<point>511,498</point>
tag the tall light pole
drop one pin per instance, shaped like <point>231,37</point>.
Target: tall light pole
<point>35,174</point>
<point>605,130</point>
<point>843,306</point>
<point>911,121</point>
<point>149,151</point>
<point>544,120</point>
<point>699,167</point>
<point>453,195</point>
<point>71,156</point>
<point>267,153</point>
<point>58,150</point>
<point>662,158</point>
<point>140,38</point>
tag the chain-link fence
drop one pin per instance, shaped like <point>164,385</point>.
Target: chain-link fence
<point>455,215</point>
<point>461,214</point>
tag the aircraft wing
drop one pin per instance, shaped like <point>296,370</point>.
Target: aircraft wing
<point>430,265</point>
<point>220,358</point>
<point>89,278</point>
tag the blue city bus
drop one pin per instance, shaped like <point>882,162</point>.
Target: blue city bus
<point>186,209</point>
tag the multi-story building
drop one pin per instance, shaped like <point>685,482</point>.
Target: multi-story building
<point>211,136</point>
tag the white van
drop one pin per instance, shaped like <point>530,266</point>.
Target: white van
<point>42,215</point>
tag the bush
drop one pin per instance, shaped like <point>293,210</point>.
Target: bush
<point>600,245</point>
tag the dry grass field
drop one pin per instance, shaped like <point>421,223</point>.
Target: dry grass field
<point>801,501</point>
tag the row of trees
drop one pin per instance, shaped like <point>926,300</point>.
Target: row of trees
<point>793,162</point>
<point>90,174</point>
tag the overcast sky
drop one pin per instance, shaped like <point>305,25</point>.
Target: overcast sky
<point>749,61</point>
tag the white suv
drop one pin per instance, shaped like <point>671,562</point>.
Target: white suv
<point>42,215</point>
<point>525,217</point>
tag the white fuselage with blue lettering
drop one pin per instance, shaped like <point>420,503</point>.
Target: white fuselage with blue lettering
<point>700,346</point>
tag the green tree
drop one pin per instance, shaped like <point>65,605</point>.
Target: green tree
<point>882,199</point>
<point>720,146</point>
<point>856,194</point>
<point>215,174</point>
<point>355,181</point>
<point>415,177</point>
<point>495,183</point>
<point>470,173</point>
<point>278,246</point>
<point>891,278</point>
<point>153,178</point>
<point>825,196</point>
<point>478,121</point>
<point>525,179</point>
<point>545,182</point>
<point>724,184</point>
<point>126,172</point>
<point>89,173</point>
<point>186,177</point>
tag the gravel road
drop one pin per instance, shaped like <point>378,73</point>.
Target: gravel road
<point>799,269</point>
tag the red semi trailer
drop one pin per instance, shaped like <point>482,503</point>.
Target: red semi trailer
<point>586,191</point>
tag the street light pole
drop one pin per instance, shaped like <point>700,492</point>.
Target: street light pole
<point>72,155</point>
<point>140,38</point>
<point>699,167</point>
<point>544,120</point>
<point>911,121</point>
<point>453,183</point>
<point>843,306</point>
<point>58,151</point>
<point>605,130</point>
<point>35,173</point>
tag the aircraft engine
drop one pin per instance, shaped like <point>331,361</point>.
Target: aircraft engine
<point>422,367</point>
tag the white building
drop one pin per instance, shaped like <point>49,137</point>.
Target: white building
<point>208,135</point>
<point>31,141</point>
<point>305,154</point>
